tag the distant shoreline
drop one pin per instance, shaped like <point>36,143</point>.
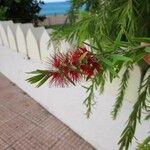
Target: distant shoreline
<point>55,2</point>
<point>54,8</point>
<point>54,20</point>
<point>56,15</point>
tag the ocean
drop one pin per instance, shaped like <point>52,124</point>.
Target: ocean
<point>55,8</point>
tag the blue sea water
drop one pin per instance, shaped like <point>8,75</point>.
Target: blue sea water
<point>55,8</point>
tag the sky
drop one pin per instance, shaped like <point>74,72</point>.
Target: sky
<point>54,0</point>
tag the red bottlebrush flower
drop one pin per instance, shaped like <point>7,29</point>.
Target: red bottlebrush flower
<point>57,79</point>
<point>68,68</point>
<point>71,67</point>
<point>76,55</point>
<point>86,70</point>
<point>74,75</point>
<point>96,66</point>
<point>56,62</point>
<point>83,50</point>
<point>59,60</point>
<point>90,60</point>
<point>65,70</point>
<point>62,80</point>
<point>74,58</point>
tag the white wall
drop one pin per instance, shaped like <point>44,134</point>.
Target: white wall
<point>1,42</point>
<point>32,46</point>
<point>66,103</point>
<point>3,32</point>
<point>11,33</point>
<point>45,48</point>
<point>21,33</point>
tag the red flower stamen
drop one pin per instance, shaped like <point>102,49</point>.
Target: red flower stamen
<point>57,79</point>
<point>74,75</point>
<point>86,70</point>
<point>59,60</point>
<point>56,62</point>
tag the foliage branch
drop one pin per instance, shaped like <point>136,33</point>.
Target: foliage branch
<point>117,33</point>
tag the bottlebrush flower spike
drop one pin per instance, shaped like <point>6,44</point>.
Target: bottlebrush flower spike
<point>64,71</point>
<point>73,66</point>
<point>58,60</point>
<point>75,75</point>
<point>96,66</point>
<point>68,68</point>
<point>76,55</point>
<point>87,70</point>
<point>58,79</point>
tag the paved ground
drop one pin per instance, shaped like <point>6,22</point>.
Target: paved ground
<point>25,125</point>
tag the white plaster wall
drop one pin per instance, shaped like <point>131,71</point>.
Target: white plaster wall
<point>11,33</point>
<point>32,46</point>
<point>133,84</point>
<point>3,32</point>
<point>1,43</point>
<point>46,47</point>
<point>21,33</point>
<point>38,32</point>
<point>66,104</point>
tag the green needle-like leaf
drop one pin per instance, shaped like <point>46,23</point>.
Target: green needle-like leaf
<point>121,58</point>
<point>147,49</point>
<point>121,92</point>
